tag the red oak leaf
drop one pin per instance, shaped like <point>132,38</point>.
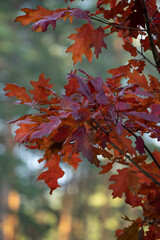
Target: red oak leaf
<point>53,173</point>
<point>72,86</point>
<point>120,184</point>
<point>129,233</point>
<point>119,127</point>
<point>128,47</point>
<point>86,38</point>
<point>83,86</point>
<point>24,132</point>
<point>82,43</point>
<point>155,109</point>
<point>153,233</point>
<point>18,92</point>
<point>135,77</point>
<point>126,182</point>
<point>140,147</point>
<point>145,116</point>
<point>42,89</point>
<point>79,14</point>
<point>70,156</point>
<point>106,168</point>
<point>137,64</point>
<point>98,85</point>
<point>102,2</point>
<point>46,128</point>
<point>42,17</point>
<point>83,145</point>
<point>133,199</point>
<point>97,42</point>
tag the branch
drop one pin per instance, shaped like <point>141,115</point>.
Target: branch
<point>136,165</point>
<point>154,65</point>
<point>153,49</point>
<point>146,148</point>
<point>154,14</point>
<point>127,156</point>
<point>116,25</point>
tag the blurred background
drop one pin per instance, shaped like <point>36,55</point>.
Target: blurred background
<point>82,208</point>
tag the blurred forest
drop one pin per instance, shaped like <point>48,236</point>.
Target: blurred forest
<point>82,208</point>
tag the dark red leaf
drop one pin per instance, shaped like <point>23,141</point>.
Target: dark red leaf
<point>140,147</point>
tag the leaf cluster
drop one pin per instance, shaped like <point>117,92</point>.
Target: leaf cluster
<point>101,117</point>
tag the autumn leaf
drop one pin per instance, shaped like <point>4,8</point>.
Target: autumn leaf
<point>140,147</point>
<point>135,77</point>
<point>96,117</point>
<point>128,47</point>
<point>145,116</point>
<point>26,128</point>
<point>42,17</point>
<point>98,42</point>
<point>19,92</point>
<point>106,168</point>
<point>42,89</point>
<point>53,173</point>
<point>70,156</point>
<point>72,85</point>
<point>86,38</point>
<point>82,43</point>
<point>126,182</point>
<point>129,233</point>
<point>46,128</point>
<point>120,184</point>
<point>83,145</point>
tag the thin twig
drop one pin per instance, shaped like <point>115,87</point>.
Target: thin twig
<point>145,147</point>
<point>154,14</point>
<point>148,172</point>
<point>127,156</point>
<point>136,165</point>
<point>143,55</point>
<point>116,25</point>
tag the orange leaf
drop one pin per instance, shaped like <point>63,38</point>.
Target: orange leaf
<point>128,47</point>
<point>135,77</point>
<point>82,43</point>
<point>24,132</point>
<point>53,173</point>
<point>106,168</point>
<point>18,92</point>
<point>86,38</point>
<point>41,17</point>
<point>42,89</point>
